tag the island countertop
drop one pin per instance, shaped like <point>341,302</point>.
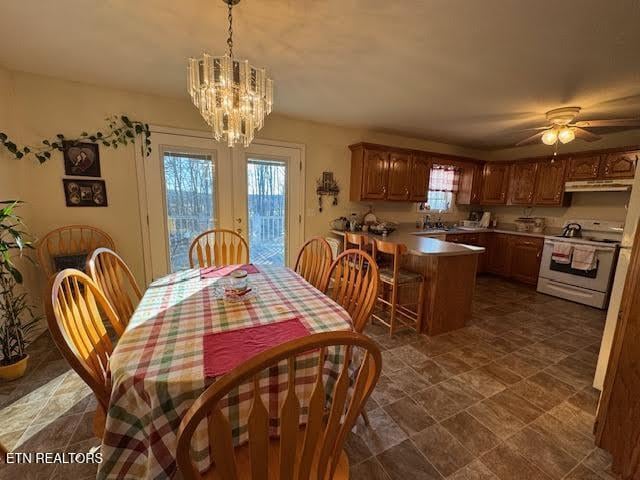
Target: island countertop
<point>422,243</point>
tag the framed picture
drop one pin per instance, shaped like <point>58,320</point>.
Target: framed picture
<point>81,159</point>
<point>85,193</point>
<point>327,180</point>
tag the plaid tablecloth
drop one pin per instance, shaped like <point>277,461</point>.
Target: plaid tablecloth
<point>157,367</point>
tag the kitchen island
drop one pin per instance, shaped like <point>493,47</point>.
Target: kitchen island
<point>449,270</point>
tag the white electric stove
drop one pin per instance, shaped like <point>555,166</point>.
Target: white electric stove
<point>591,287</point>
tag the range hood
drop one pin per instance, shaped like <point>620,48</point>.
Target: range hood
<point>622,185</point>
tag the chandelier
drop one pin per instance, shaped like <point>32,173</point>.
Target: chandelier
<point>233,96</point>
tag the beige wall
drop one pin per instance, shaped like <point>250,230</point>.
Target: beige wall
<point>600,205</point>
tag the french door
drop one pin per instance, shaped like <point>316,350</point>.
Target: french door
<point>191,183</point>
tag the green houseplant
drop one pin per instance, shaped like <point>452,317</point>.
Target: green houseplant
<point>17,316</point>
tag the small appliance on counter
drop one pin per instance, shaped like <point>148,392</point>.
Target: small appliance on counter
<point>530,224</point>
<point>485,221</point>
<point>340,224</point>
<point>572,230</point>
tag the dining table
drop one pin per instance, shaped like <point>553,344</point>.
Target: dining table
<point>157,368</point>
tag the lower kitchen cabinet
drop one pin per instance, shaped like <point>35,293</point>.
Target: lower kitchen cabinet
<point>526,253</point>
<point>514,256</point>
<point>498,254</point>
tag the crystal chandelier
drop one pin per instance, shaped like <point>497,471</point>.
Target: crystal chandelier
<point>233,96</point>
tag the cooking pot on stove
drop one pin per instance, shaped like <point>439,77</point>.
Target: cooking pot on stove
<point>572,230</point>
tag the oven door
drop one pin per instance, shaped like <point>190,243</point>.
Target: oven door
<point>597,279</point>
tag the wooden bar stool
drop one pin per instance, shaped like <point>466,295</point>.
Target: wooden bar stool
<point>396,277</point>
<point>356,240</point>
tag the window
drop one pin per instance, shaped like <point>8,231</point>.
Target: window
<point>443,182</point>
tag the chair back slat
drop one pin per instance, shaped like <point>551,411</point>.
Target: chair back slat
<point>258,427</point>
<point>305,452</point>
<point>314,260</point>
<point>289,423</point>
<point>352,282</point>
<point>116,281</point>
<point>217,248</point>
<point>78,330</point>
<point>70,240</point>
<point>315,418</point>
<point>338,406</point>
<point>222,448</point>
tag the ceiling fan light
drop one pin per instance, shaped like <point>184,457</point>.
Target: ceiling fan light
<point>550,137</point>
<point>566,135</point>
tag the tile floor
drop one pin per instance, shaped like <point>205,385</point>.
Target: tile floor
<point>507,397</point>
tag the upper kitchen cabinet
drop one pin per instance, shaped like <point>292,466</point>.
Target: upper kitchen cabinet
<point>399,176</point>
<point>549,188</point>
<point>522,183</point>
<point>583,168</point>
<point>419,178</point>
<point>619,165</point>
<point>379,172</point>
<point>369,173</point>
<point>470,184</point>
<point>495,181</point>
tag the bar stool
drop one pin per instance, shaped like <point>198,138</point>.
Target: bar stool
<point>356,240</point>
<point>396,278</point>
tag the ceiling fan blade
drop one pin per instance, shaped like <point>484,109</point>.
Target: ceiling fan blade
<point>617,122</point>
<point>534,129</point>
<point>531,139</point>
<point>586,135</point>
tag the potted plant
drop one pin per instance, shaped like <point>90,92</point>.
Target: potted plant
<point>17,316</point>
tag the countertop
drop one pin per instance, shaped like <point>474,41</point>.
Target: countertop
<point>421,243</point>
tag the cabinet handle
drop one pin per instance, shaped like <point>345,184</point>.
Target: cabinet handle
<point>384,190</point>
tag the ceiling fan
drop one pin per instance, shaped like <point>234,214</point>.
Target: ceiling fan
<point>563,129</point>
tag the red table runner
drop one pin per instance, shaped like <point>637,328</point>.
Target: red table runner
<point>224,351</point>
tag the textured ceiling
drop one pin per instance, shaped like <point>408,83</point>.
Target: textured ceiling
<point>469,72</point>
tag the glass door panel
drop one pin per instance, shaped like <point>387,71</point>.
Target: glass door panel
<point>190,201</point>
<point>267,210</point>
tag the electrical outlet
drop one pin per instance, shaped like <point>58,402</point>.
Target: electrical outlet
<point>312,212</point>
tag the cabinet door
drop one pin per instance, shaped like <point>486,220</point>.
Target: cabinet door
<point>583,168</point>
<point>469,188</point>
<point>619,165</point>
<point>495,180</point>
<point>525,258</point>
<point>419,180</point>
<point>522,183</point>
<point>399,174</point>
<point>550,182</point>
<point>375,175</point>
<point>498,255</point>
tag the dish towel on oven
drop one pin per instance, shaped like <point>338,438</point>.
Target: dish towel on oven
<point>562,253</point>
<point>584,257</point>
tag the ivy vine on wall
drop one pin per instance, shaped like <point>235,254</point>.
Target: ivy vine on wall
<point>121,130</point>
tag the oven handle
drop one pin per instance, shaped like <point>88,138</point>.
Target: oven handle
<point>598,249</point>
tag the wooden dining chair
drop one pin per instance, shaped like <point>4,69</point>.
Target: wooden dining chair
<point>314,260</point>
<point>352,282</point>
<point>116,281</point>
<point>394,278</point>
<point>77,329</point>
<point>69,241</point>
<point>218,247</point>
<point>3,453</point>
<point>312,451</point>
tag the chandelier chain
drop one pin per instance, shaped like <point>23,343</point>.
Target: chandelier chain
<point>230,39</point>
